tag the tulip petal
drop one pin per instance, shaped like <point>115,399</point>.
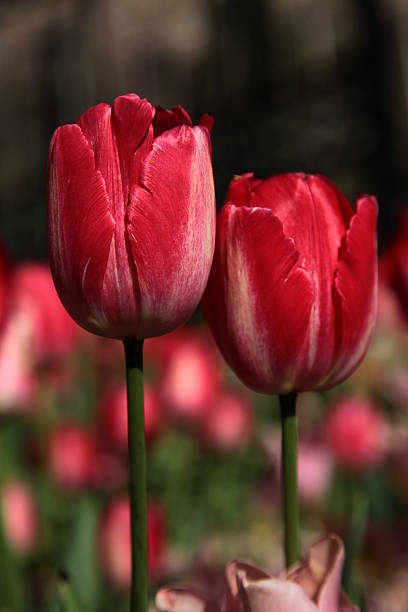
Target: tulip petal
<point>276,595</point>
<point>115,135</point>
<point>320,575</point>
<point>178,599</point>
<point>96,127</point>
<point>312,211</point>
<point>240,189</point>
<point>355,291</point>
<point>81,225</point>
<point>171,227</point>
<point>258,298</point>
<point>165,119</point>
<point>132,118</point>
<point>251,573</point>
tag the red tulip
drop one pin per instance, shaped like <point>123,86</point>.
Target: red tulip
<point>131,217</point>
<point>291,297</point>
<point>114,541</point>
<point>20,515</point>
<point>355,433</point>
<point>311,586</point>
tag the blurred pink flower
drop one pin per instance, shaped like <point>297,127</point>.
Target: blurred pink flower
<point>314,464</point>
<point>228,423</point>
<point>114,541</point>
<point>52,331</point>
<point>355,433</point>
<point>4,285</point>
<point>311,586</point>
<point>18,382</point>
<point>73,456</point>
<point>314,470</point>
<point>114,415</point>
<point>20,516</point>
<point>192,375</point>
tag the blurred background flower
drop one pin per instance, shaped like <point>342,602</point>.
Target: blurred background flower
<point>314,86</point>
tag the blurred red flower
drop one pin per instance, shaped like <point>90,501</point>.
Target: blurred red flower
<point>114,541</point>
<point>355,433</point>
<point>73,456</point>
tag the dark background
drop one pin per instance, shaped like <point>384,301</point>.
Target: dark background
<point>294,85</point>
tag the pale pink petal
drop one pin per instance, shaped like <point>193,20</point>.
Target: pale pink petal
<point>274,595</point>
<point>178,599</point>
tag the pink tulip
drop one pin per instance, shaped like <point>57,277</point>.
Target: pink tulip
<point>131,217</point>
<point>228,422</point>
<point>114,541</point>
<point>311,586</point>
<point>355,433</point>
<point>20,516</point>
<point>291,298</point>
<point>73,457</point>
<point>114,416</point>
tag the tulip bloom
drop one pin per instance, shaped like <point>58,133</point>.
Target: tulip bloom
<point>311,586</point>
<point>131,217</point>
<point>291,298</point>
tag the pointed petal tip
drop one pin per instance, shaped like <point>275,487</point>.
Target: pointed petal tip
<point>207,121</point>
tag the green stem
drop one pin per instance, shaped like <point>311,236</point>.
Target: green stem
<point>137,480</point>
<point>358,512</point>
<point>67,599</point>
<point>289,477</point>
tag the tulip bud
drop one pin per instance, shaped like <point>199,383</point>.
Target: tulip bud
<point>355,433</point>
<point>291,297</point>
<point>131,217</point>
<point>114,541</point>
<point>20,516</point>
